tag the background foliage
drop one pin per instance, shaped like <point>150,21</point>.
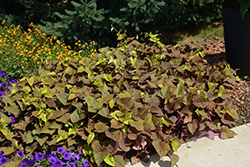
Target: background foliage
<point>92,19</point>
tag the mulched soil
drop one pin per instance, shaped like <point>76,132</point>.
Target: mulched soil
<point>240,93</point>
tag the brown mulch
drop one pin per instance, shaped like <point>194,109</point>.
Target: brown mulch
<point>240,97</point>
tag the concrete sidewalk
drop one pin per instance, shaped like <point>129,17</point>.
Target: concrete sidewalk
<point>233,152</point>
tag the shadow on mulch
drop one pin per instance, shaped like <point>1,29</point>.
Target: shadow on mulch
<point>240,93</point>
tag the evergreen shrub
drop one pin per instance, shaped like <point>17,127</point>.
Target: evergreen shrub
<point>93,19</point>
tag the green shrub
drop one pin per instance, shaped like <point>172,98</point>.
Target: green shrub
<point>93,19</point>
<point>124,103</point>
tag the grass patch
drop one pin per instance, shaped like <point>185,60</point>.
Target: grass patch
<point>193,32</point>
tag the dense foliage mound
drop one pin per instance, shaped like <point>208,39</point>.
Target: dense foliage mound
<point>125,102</point>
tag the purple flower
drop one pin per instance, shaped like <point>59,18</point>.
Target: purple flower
<point>67,155</point>
<point>18,152</point>
<point>53,155</point>
<point>15,81</point>
<point>39,166</point>
<point>2,73</point>
<point>2,93</point>
<point>52,159</point>
<point>31,157</point>
<point>3,160</point>
<point>13,120</point>
<point>39,156</point>
<point>23,165</point>
<point>86,163</point>
<point>79,156</point>
<point>46,156</point>
<point>9,83</point>
<point>73,156</point>
<point>21,69</point>
<point>1,153</point>
<point>29,162</point>
<point>60,150</point>
<point>57,163</point>
<point>3,85</point>
<point>72,164</point>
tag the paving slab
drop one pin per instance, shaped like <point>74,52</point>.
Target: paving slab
<point>204,152</point>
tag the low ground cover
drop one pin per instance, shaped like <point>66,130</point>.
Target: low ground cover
<point>123,103</point>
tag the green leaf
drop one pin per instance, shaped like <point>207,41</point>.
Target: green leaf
<point>135,77</point>
<point>220,93</point>
<point>110,160</point>
<point>161,147</point>
<point>111,103</point>
<point>71,96</point>
<point>90,137</point>
<point>173,159</point>
<point>197,111</point>
<point>30,80</point>
<point>233,114</point>
<point>193,126</point>
<point>113,114</point>
<point>119,162</point>
<point>93,104</point>
<point>166,122</point>
<point>26,89</point>
<point>100,153</point>
<point>180,89</point>
<point>133,60</point>
<point>29,138</point>
<point>60,139</point>
<point>164,92</point>
<point>160,86</point>
<point>48,95</point>
<point>43,117</point>
<point>137,124</point>
<point>77,115</point>
<point>107,77</point>
<point>175,145</point>
<point>62,97</point>
<point>71,132</point>
<point>104,89</point>
<point>100,127</point>
<point>98,82</point>
<point>124,95</point>
<point>226,132</point>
